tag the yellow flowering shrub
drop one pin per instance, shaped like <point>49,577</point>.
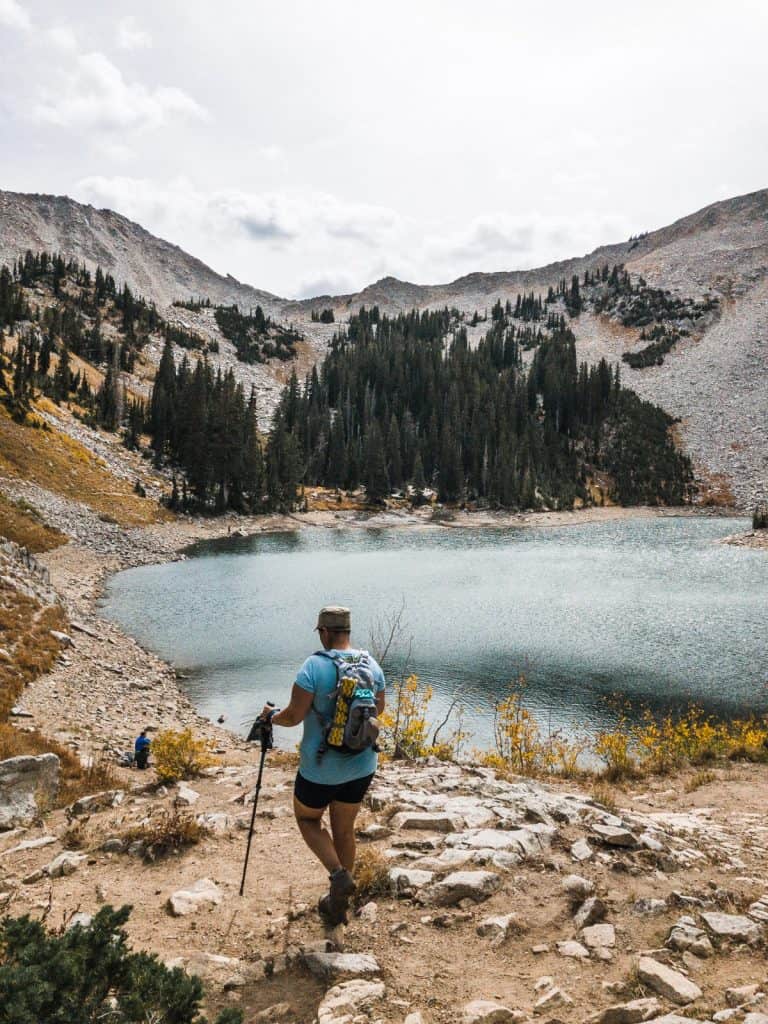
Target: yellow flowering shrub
<point>520,746</point>
<point>405,725</point>
<point>180,755</point>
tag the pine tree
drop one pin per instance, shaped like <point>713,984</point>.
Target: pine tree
<point>376,476</point>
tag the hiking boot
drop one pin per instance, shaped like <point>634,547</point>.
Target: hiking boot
<point>333,907</point>
<point>324,909</point>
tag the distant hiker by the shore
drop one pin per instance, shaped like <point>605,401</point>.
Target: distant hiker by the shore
<point>141,749</point>
<point>338,694</point>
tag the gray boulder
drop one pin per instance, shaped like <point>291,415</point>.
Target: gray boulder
<point>334,965</point>
<point>668,983</point>
<point>28,785</point>
<point>351,998</point>
<point>475,885</point>
<point>732,927</point>
<point>488,1011</point>
<point>66,863</point>
<point>96,802</point>
<point>202,893</point>
<point>634,1012</point>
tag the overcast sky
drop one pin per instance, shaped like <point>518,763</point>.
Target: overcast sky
<point>308,146</point>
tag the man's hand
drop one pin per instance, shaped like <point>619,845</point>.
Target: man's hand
<point>266,712</point>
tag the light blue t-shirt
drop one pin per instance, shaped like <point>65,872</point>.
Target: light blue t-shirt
<point>318,676</point>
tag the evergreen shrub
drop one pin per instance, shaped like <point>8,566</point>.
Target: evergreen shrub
<point>82,975</point>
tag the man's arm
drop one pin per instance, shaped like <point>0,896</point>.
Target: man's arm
<point>297,710</point>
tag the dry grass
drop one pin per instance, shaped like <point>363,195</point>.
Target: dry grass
<point>701,778</point>
<point>605,795</point>
<point>55,461</point>
<point>167,833</point>
<point>20,523</point>
<point>25,627</point>
<point>371,874</point>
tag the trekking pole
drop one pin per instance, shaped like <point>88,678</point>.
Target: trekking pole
<point>264,731</point>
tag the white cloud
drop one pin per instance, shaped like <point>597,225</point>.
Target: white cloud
<point>95,95</point>
<point>333,246</point>
<point>63,38</point>
<point>130,36</point>
<point>503,241</point>
<point>273,217</point>
<point>13,15</point>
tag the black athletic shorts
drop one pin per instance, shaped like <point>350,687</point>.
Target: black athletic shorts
<point>315,795</point>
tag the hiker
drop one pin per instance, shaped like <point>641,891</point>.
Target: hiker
<point>332,776</point>
<point>141,749</point>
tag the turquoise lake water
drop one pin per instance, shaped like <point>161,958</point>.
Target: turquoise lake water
<point>652,609</point>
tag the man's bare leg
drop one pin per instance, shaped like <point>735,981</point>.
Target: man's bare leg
<point>343,828</point>
<point>316,836</point>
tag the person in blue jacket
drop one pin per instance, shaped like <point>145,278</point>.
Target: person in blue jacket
<point>141,749</point>
<point>334,780</point>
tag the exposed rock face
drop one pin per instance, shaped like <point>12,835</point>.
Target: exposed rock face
<point>23,782</point>
<point>150,266</point>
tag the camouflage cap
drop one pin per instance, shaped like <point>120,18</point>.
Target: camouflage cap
<point>334,617</point>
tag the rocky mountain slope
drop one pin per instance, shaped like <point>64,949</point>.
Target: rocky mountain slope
<point>151,267</point>
<point>714,380</point>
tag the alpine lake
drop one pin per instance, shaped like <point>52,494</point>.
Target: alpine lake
<point>638,612</point>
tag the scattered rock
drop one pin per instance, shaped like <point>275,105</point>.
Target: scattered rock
<point>331,965</point>
<point>686,936</point>
<point>581,851</point>
<point>634,1012</point>
<point>188,901</point>
<point>430,822</point>
<point>649,907</point>
<point>732,927</point>
<point>218,823</point>
<point>668,983</point>
<point>343,1002</point>
<point>186,797</point>
<point>275,1013</point>
<point>551,999</point>
<point>369,913</point>
<point>474,885</point>
<point>599,936</point>
<point>405,881</point>
<point>571,948</point>
<point>113,845</point>
<point>614,835</point>
<point>66,863</point>
<point>737,996</point>
<point>27,783</point>
<point>96,802</point>
<point>590,912</point>
<point>497,928</point>
<point>576,887</point>
<point>488,1011</point>
<point>63,638</point>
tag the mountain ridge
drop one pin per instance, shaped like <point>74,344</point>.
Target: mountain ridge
<point>713,382</point>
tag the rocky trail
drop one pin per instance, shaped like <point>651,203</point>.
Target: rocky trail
<point>494,900</point>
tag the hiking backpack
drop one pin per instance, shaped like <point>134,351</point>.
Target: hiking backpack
<point>352,726</point>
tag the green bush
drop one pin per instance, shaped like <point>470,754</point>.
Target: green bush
<point>88,974</point>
